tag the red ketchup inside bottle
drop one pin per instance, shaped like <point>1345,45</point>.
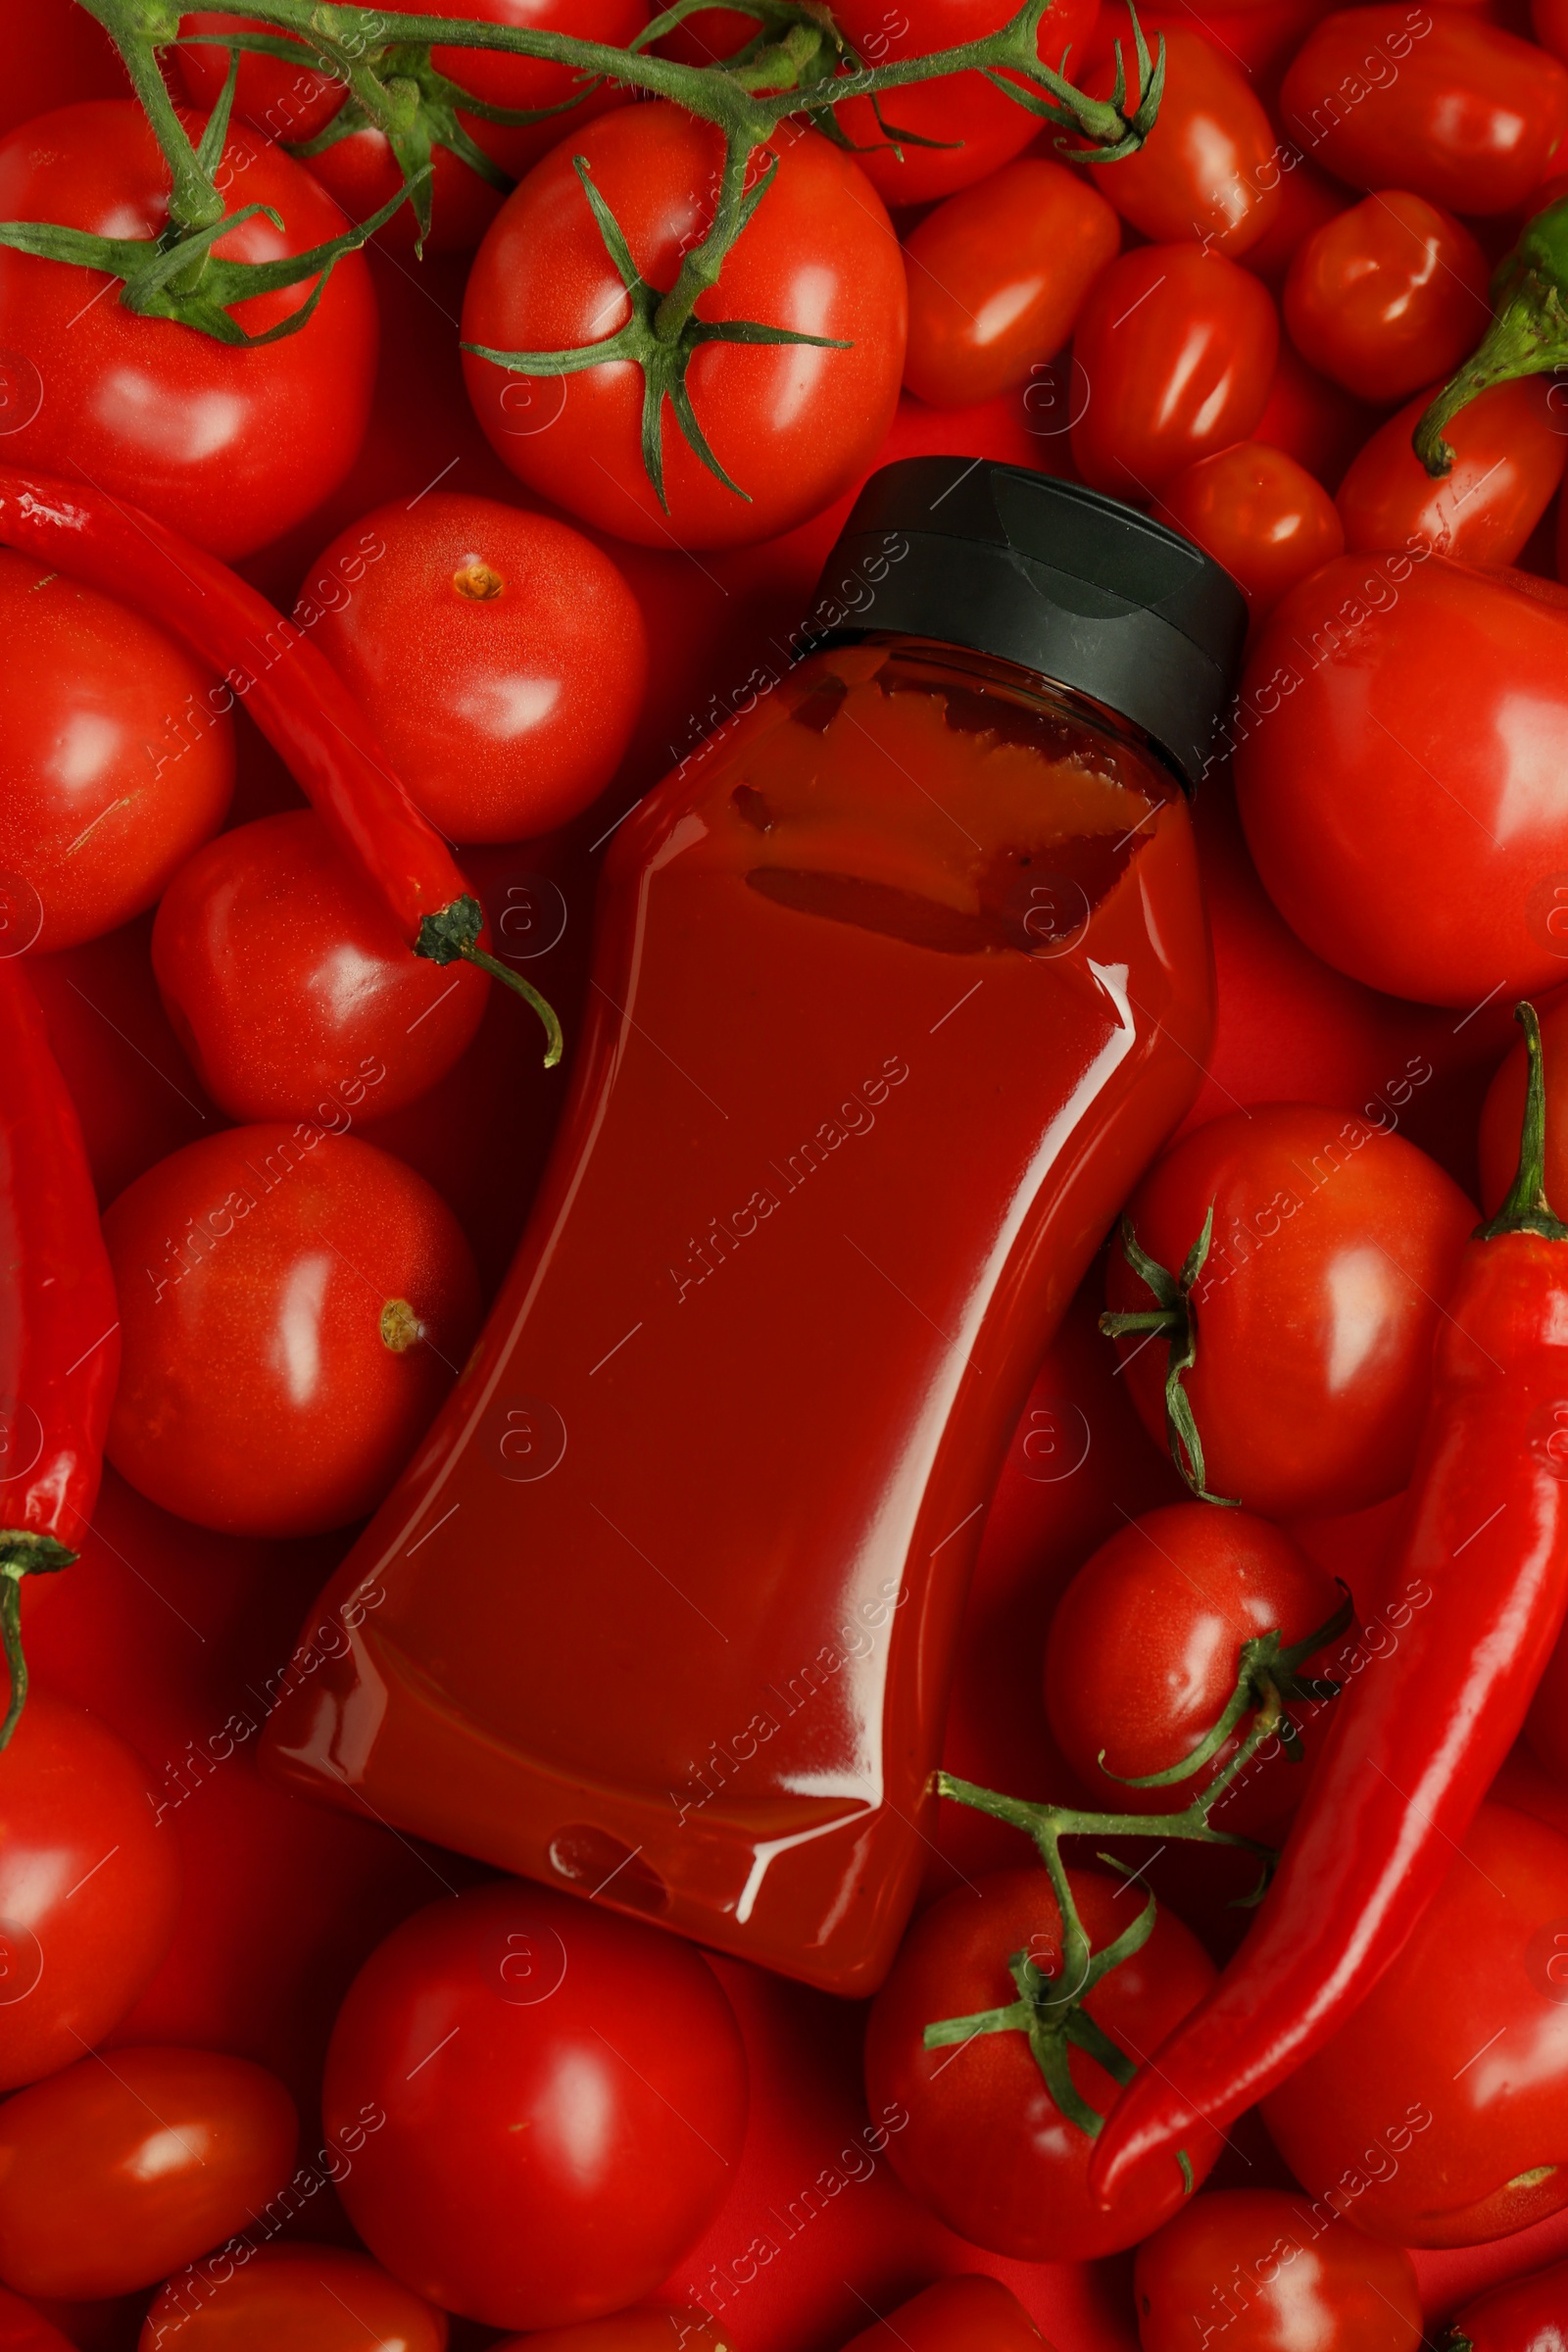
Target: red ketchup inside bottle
<point>898,987</point>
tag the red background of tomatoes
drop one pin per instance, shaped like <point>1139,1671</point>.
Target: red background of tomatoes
<point>166,1631</point>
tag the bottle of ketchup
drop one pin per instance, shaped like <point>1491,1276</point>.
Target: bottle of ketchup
<point>899,983</point>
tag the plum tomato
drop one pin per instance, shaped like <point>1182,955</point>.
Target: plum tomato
<point>1549,21</point>
<point>1255,510</point>
<point>229,445</point>
<point>1172,359</point>
<point>1523,2315</point>
<point>309,2298</point>
<point>566,2097</point>
<point>1277,2275</point>
<point>501,656</point>
<point>117,2172</point>
<point>1334,1244</point>
<point>1438,2114</point>
<point>964,2314</point>
<point>117,760</point>
<point>1309,199</point>
<point>1508,450</point>
<point>985,2148</point>
<point>998,275</point>
<point>1144,1647</point>
<point>23,2329</point>
<point>294,1306</point>
<point>89,1887</point>
<point>1407,835</point>
<point>1211,168</point>
<point>794,426</point>
<point>1388,296</point>
<point>1318,424</point>
<point>1435,99</point>
<point>291,987</point>
<point>646,2327</point>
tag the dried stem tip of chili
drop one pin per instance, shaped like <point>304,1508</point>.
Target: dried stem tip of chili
<point>21,1554</point>
<point>1528,334</point>
<point>455,932</point>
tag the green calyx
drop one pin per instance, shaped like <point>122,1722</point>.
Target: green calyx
<point>21,1554</point>
<point>1527,1209</point>
<point>1268,1676</point>
<point>1528,334</point>
<point>454,933</point>
<point>1175,1317</point>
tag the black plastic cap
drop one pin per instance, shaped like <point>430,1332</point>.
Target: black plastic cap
<point>1059,579</point>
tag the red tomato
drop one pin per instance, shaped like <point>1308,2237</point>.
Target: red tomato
<point>117,2171</point>
<point>998,275</point>
<point>292,989</point>
<point>1278,2276</point>
<point>975,125</point>
<point>229,445</point>
<point>1438,2114</point>
<point>1523,2315</point>
<point>986,2147</point>
<point>1433,98</point>
<point>1177,350</point>
<point>1312,421</point>
<point>1308,199</point>
<point>89,1887</point>
<point>706,37</point>
<point>1335,1243</point>
<point>117,759</point>
<point>309,2298</point>
<point>1211,168</point>
<point>501,656</point>
<point>1548,21</point>
<point>1508,457</point>
<point>964,2314</point>
<point>280,100</point>
<point>793,425</point>
<point>294,1306</point>
<point>1411,836</point>
<point>648,2327</point>
<point>23,2329</point>
<point>1144,1647</point>
<point>1258,512</point>
<point>566,2100</point>
<point>55,52</point>
<point>1387,295</point>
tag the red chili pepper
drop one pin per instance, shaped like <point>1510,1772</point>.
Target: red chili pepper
<point>289,688</point>
<point>59,1321</point>
<point>1422,1729</point>
<point>1524,2314</point>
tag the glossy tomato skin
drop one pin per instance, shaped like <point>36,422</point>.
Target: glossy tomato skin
<point>1144,1647</point>
<point>111,2175</point>
<point>89,1887</point>
<point>287,981</point>
<point>1318,424</point>
<point>501,656</point>
<point>1437,2115</point>
<point>1523,2315</point>
<point>294,1306</point>
<point>1261,515</point>
<point>1334,1244</point>
<point>1211,168</point>
<point>1177,350</point>
<point>1277,2275</point>
<point>795,426</point>
<point>309,2298</point>
<point>998,275</point>
<point>1435,99</point>
<point>1507,463</point>
<point>1309,199</point>
<point>1388,296</point>
<point>489,2027</point>
<point>1399,830</point>
<point>117,759</point>
<point>277,98</point>
<point>231,447</point>
<point>985,2148</point>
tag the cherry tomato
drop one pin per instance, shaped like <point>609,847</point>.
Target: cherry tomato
<point>795,426</point>
<point>89,1887</point>
<point>1335,1243</point>
<point>1437,100</point>
<point>1308,199</point>
<point>966,2314</point>
<point>1438,2114</point>
<point>566,2101</point>
<point>1508,450</point>
<point>986,2147</point>
<point>1387,295</point>
<point>1145,1649</point>
<point>1314,422</point>
<point>975,126</point>
<point>1176,349</point>
<point>1523,2315</point>
<point>1405,832</point>
<point>1549,20</point>
<point>1278,2276</point>
<point>1211,168</point>
<point>706,36</point>
<point>1259,513</point>
<point>648,2327</point>
<point>117,759</point>
<point>229,445</point>
<point>998,275</point>
<point>292,989</point>
<point>311,2298</point>
<point>501,656</point>
<point>55,52</point>
<point>120,2169</point>
<point>279,99</point>
<point>23,2329</point>
<point>294,1306</point>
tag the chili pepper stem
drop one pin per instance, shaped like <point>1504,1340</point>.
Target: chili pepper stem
<point>454,932</point>
<point>21,1554</point>
<point>1527,1209</point>
<point>1528,334</point>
